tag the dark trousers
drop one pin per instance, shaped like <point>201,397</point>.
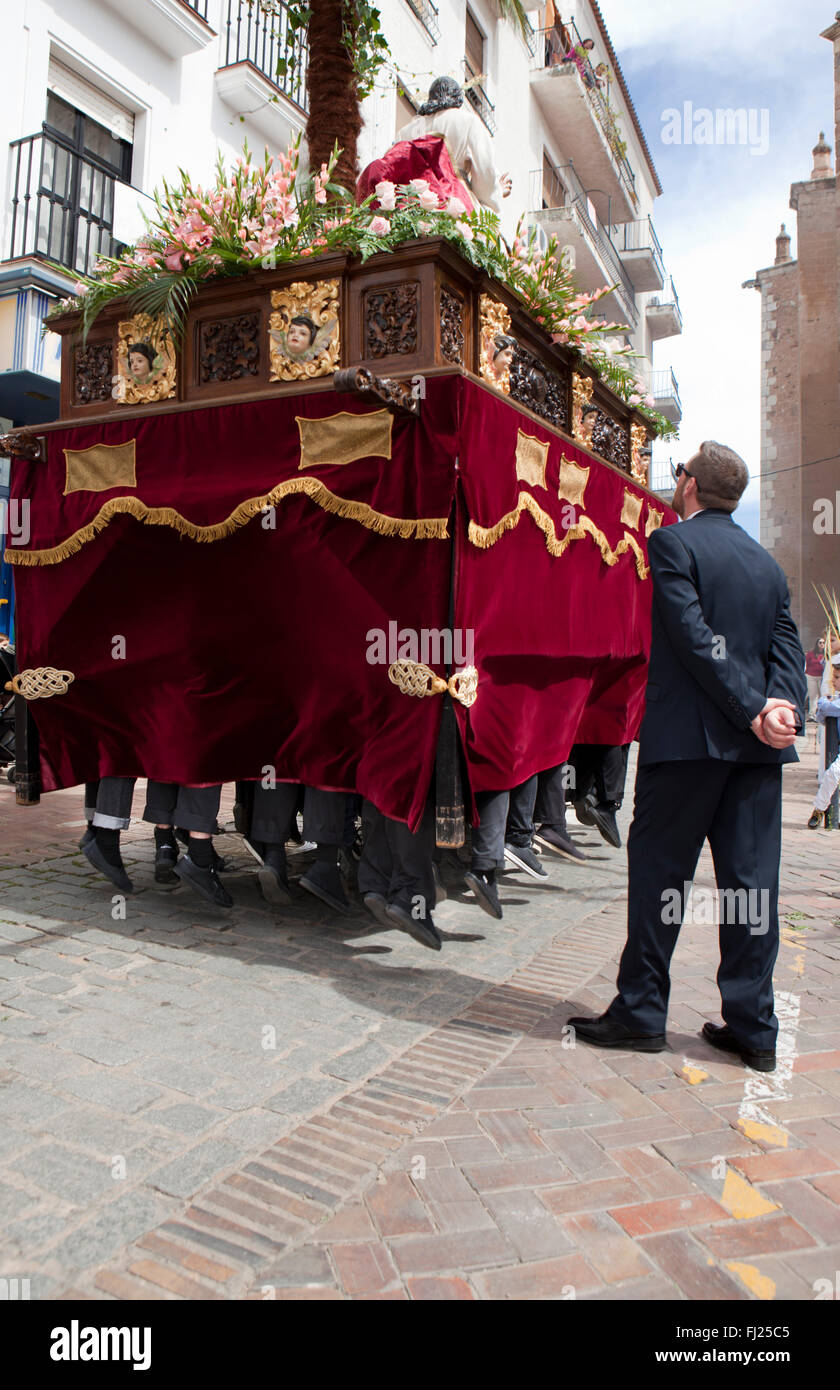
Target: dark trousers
<point>324,814</point>
<point>506,817</point>
<point>601,768</point>
<point>738,808</point>
<point>188,808</point>
<point>108,802</point>
<point>396,862</point>
<point>550,805</point>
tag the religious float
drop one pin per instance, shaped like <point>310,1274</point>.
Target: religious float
<point>364,516</point>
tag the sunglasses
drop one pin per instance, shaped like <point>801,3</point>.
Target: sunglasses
<point>676,472</point>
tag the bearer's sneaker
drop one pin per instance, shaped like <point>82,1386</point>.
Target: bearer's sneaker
<point>112,868</point>
<point>166,857</point>
<point>524,858</point>
<point>323,881</point>
<point>377,906</point>
<point>205,882</point>
<point>483,884</point>
<point>721,1036</point>
<point>603,815</point>
<point>273,879</point>
<point>549,838</point>
<point>583,810</point>
<point>815,819</point>
<point>422,929</point>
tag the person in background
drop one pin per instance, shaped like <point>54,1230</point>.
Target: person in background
<point>814,663</point>
<point>827,707</point>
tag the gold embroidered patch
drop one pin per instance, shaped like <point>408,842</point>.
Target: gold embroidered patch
<point>100,467</point>
<point>654,521</point>
<point>531,459</point>
<point>573,480</point>
<point>632,509</point>
<point>343,438</point>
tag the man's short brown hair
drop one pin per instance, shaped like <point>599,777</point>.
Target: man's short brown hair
<point>721,475</point>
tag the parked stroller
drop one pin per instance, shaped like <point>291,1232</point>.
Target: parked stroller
<point>8,668</point>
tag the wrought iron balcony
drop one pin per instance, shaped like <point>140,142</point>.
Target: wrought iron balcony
<point>478,98</point>
<point>427,13</point>
<point>638,245</point>
<point>664,316</point>
<point>563,190</point>
<point>666,392</point>
<point>200,7</point>
<point>62,204</point>
<point>251,35</point>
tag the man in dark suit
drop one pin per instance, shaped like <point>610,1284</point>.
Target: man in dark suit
<point>726,695</point>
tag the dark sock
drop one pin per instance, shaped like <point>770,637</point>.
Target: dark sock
<point>109,842</point>
<point>489,875</point>
<point>165,838</point>
<point>201,852</point>
<point>326,854</point>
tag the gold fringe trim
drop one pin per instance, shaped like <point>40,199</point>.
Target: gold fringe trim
<point>485,536</point>
<point>421,528</point>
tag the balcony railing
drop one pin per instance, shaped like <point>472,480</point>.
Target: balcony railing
<point>427,13</point>
<point>664,385</point>
<point>548,51</point>
<point>199,6</point>
<point>62,204</point>
<point>478,98</point>
<point>564,189</point>
<point>638,236</point>
<point>253,36</point>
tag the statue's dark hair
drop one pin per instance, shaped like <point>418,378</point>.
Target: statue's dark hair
<point>444,94</point>
<point>503,341</point>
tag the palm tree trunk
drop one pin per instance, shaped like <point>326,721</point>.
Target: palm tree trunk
<point>334,109</point>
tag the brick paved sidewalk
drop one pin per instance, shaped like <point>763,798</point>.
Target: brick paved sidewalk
<point>416,1127</point>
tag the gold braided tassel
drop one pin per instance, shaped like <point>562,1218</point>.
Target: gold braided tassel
<point>413,678</point>
<point>40,683</point>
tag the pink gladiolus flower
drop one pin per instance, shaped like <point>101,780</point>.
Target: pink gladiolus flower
<point>650,401</point>
<point>559,337</point>
<point>635,399</point>
<point>320,195</point>
<point>380,226</point>
<point>80,288</point>
<point>174,258</point>
<point>386,195</point>
<point>582,324</point>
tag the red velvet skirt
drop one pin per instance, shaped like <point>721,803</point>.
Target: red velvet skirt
<point>426,158</point>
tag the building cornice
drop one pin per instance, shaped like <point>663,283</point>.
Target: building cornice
<point>826,185</point>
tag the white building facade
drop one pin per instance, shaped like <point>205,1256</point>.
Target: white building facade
<point>105,98</point>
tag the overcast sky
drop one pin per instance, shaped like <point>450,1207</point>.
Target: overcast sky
<point>722,206</point>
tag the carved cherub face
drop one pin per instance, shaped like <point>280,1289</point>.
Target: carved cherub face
<point>300,335</point>
<point>141,358</point>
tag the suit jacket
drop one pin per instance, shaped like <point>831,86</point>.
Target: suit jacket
<point>723,640</point>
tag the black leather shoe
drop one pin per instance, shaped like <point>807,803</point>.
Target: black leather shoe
<point>815,819</point>
<point>377,906</point>
<point>552,839</point>
<point>166,857</point>
<point>323,881</point>
<point>608,1032</point>
<point>603,816</point>
<point>486,892</point>
<point>422,929</point>
<point>583,810</point>
<point>203,881</point>
<point>114,872</point>
<point>722,1037</point>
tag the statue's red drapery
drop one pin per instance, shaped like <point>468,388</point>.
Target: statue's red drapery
<point>210,638</point>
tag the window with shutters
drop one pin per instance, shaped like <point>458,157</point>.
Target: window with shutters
<point>405,109</point>
<point>474,46</point>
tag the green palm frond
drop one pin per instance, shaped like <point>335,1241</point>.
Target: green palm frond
<point>166,299</point>
<point>512,11</point>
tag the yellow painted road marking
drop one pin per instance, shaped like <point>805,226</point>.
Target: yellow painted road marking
<point>755,1281</point>
<point>760,1089</point>
<point>767,1134</point>
<point>742,1200</point>
<point>693,1074</point>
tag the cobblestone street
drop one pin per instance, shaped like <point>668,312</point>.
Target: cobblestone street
<point>209,1105</point>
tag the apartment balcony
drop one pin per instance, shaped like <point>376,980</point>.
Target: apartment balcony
<point>478,98</point>
<point>666,393</point>
<point>62,208</point>
<point>178,27</point>
<point>262,74</point>
<point>427,14</point>
<point>663,314</point>
<point>641,254</point>
<point>571,217</point>
<point>576,108</point>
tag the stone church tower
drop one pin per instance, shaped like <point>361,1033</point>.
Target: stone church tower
<point>800,386</point>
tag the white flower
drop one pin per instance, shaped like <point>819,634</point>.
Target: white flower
<point>419,186</point>
<point>465,230</point>
<point>455,207</point>
<point>386,194</point>
<point>429,201</point>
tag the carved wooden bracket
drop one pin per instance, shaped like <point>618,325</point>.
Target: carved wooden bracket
<point>398,396</point>
<point>23,444</point>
